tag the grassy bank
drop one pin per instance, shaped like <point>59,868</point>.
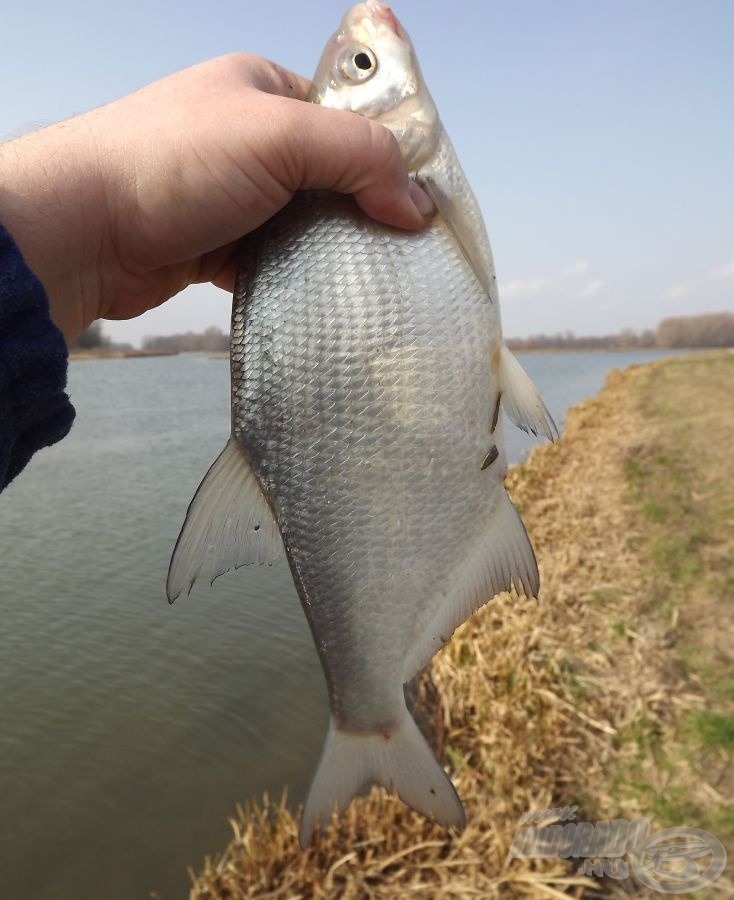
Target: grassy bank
<point>614,692</point>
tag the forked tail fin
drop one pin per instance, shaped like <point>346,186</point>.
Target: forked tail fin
<point>401,760</point>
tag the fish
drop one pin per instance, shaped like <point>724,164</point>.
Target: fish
<point>368,376</point>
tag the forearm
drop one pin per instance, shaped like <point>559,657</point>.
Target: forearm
<point>52,205</point>
<point>121,208</point>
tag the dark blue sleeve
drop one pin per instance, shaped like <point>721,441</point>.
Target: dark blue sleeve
<point>34,410</point>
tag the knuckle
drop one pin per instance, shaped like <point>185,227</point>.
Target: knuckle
<point>265,75</point>
<point>384,148</point>
<point>233,63</point>
<point>248,67</point>
<point>241,60</point>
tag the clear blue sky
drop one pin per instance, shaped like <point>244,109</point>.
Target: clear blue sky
<point>598,136</point>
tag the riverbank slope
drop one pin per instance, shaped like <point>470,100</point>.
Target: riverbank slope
<point>613,692</point>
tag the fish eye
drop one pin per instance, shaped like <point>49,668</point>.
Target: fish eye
<point>358,64</point>
<point>362,61</point>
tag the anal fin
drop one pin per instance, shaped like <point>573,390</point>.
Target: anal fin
<point>228,524</point>
<point>500,559</point>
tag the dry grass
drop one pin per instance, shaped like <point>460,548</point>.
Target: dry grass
<point>575,699</point>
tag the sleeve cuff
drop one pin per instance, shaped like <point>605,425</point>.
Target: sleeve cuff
<point>35,411</point>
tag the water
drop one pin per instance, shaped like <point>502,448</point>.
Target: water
<point>130,728</point>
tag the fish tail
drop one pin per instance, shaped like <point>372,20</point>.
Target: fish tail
<point>400,760</point>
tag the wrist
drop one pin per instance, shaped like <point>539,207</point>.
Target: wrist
<point>50,204</point>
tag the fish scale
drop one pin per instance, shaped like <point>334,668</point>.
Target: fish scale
<point>394,405</point>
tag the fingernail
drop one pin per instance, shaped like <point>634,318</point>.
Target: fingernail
<point>421,200</point>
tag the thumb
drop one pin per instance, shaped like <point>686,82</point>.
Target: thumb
<point>340,151</point>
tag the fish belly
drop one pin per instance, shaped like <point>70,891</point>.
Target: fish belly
<point>363,395</point>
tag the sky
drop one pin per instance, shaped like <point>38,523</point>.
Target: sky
<point>598,136</point>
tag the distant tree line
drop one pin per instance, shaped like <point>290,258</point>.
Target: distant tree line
<point>707,330</point>
<point>711,330</point>
<point>92,338</point>
<point>213,340</point>
<point>567,340</point>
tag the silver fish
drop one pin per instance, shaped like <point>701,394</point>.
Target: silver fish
<point>368,375</point>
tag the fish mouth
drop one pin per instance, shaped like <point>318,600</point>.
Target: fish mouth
<point>383,13</point>
<point>378,14</point>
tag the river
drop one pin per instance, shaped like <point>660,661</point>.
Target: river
<point>130,728</point>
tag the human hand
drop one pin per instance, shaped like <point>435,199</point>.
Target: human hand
<point>121,208</point>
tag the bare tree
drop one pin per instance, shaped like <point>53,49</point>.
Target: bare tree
<point>708,330</point>
<point>213,340</point>
<point>92,338</point>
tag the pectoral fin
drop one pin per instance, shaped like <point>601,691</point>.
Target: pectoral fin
<point>228,524</point>
<point>461,228</point>
<point>521,400</point>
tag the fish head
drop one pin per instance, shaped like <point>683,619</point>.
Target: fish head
<point>369,67</point>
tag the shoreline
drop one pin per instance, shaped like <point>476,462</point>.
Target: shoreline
<point>591,349</point>
<point>600,695</point>
<point>86,355</point>
<point>101,353</point>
